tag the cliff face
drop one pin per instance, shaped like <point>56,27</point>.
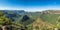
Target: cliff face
<point>51,12</point>
<point>56,12</point>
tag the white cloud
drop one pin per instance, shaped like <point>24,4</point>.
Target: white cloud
<point>42,8</point>
<point>32,9</point>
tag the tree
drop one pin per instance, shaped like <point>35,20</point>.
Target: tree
<point>4,20</point>
<point>58,22</point>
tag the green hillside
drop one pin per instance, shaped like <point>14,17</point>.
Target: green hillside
<point>50,18</point>
<point>27,20</point>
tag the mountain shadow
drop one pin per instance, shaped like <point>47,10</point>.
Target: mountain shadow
<point>26,20</point>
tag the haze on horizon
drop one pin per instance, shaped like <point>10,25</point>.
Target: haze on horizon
<point>30,5</point>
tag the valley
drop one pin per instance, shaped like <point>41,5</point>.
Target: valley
<point>22,20</point>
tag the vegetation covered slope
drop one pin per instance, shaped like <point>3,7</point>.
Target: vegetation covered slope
<point>26,19</point>
<point>51,18</point>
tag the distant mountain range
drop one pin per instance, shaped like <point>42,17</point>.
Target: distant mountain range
<point>17,15</point>
<point>22,11</point>
<point>48,18</point>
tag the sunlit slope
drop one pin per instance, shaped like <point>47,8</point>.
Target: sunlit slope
<point>33,15</point>
<point>51,18</point>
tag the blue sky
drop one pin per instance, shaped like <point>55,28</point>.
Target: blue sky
<point>30,5</point>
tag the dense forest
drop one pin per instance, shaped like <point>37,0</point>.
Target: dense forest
<point>21,20</point>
